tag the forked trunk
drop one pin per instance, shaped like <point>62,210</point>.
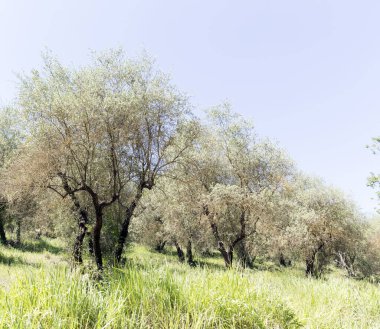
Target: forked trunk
<point>226,254</point>
<point>160,246</point>
<point>347,263</point>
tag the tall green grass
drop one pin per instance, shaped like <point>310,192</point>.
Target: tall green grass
<point>154,291</point>
<point>140,298</point>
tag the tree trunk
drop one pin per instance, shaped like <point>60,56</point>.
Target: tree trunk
<point>243,255</point>
<point>3,237</point>
<point>96,234</point>
<point>18,231</point>
<point>230,252</point>
<point>226,254</point>
<point>345,262</point>
<point>310,266</point>
<point>90,244</point>
<point>282,260</point>
<point>78,245</point>
<point>181,255</point>
<point>160,246</point>
<point>125,228</point>
<point>82,222</point>
<point>313,265</point>
<point>189,253</point>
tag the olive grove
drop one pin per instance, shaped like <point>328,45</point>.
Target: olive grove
<point>111,153</point>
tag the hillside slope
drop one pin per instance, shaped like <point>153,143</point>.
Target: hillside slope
<point>38,290</point>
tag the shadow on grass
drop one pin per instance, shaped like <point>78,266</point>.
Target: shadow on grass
<point>200,261</point>
<point>39,246</point>
<point>201,258</point>
<point>206,264</point>
<point>166,252</point>
<point>173,252</point>
<point>12,260</point>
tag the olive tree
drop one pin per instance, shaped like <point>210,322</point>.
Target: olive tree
<point>326,224</point>
<point>164,132</point>
<point>241,177</point>
<point>102,134</point>
<point>11,137</point>
<point>77,121</point>
<point>177,213</point>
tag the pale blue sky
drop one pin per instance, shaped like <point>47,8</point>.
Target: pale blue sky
<point>306,72</point>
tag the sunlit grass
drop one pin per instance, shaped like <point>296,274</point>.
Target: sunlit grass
<point>155,291</point>
<point>28,258</point>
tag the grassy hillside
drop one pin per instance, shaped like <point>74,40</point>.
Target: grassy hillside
<point>38,290</point>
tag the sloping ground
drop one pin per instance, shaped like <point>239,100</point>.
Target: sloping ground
<point>335,302</point>
<point>28,258</point>
<point>154,291</point>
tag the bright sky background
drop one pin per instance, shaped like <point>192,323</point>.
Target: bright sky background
<point>306,72</point>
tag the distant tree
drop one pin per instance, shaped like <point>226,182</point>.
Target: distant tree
<point>150,224</point>
<point>374,179</point>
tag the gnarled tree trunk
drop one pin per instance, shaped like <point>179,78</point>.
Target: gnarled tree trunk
<point>96,234</point>
<point>160,246</point>
<point>227,254</point>
<point>3,237</point>
<point>181,255</point>
<point>313,269</point>
<point>90,244</point>
<point>346,262</point>
<point>243,255</point>
<point>82,221</point>
<point>18,231</point>
<point>125,228</point>
<point>282,260</point>
<point>78,245</point>
<point>310,266</point>
<point>189,253</point>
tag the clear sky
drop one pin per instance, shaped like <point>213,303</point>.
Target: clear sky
<point>306,72</point>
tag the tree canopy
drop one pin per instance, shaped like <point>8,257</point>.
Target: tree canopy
<point>114,150</point>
